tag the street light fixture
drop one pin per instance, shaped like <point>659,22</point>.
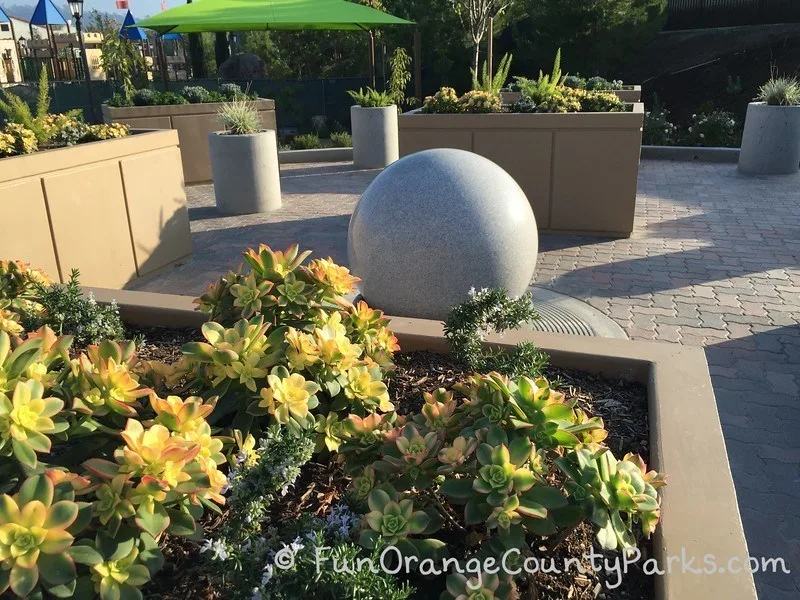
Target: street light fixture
<point>76,8</point>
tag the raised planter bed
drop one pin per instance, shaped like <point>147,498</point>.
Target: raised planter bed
<point>193,123</point>
<point>578,170</point>
<point>629,93</point>
<point>115,210</point>
<point>700,515</point>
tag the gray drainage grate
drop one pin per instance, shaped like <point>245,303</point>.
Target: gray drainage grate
<point>564,314</point>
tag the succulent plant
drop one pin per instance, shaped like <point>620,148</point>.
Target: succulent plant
<point>616,494</point>
<point>102,381</point>
<point>486,587</point>
<point>289,399</point>
<point>391,520</point>
<point>36,532</point>
<point>25,421</point>
<point>413,456</point>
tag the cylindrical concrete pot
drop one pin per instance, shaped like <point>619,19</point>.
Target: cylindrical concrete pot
<point>771,140</point>
<point>245,171</point>
<point>375,136</point>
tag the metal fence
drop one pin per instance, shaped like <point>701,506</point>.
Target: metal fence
<point>703,14</point>
<point>297,102</point>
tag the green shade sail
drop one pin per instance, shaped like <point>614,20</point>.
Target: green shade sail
<point>255,15</point>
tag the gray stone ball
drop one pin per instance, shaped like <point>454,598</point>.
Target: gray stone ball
<point>435,224</point>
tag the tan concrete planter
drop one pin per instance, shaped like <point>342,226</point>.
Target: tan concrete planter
<point>630,93</point>
<point>578,170</point>
<point>115,209</point>
<point>700,514</point>
<point>193,122</point>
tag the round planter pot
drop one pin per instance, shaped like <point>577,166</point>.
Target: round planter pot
<point>375,136</point>
<point>245,171</point>
<point>771,140</point>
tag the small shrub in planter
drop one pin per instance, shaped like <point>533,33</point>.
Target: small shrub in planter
<point>713,128</point>
<point>658,130</point>
<point>195,94</point>
<point>371,98</point>
<point>341,139</point>
<point>306,141</point>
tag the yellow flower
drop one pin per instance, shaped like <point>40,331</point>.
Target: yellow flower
<point>291,396</point>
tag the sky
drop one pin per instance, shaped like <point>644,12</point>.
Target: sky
<point>139,8</point>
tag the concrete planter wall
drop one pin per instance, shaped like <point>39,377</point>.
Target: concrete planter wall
<point>193,122</point>
<point>771,140</point>
<point>578,170</point>
<point>374,136</point>
<point>114,209</point>
<point>630,93</point>
<point>700,514</point>
<point>246,174</point>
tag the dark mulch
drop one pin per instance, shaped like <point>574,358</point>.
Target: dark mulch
<point>621,404</point>
<point>158,343</point>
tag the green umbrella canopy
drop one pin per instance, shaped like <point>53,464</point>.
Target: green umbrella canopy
<point>254,15</point>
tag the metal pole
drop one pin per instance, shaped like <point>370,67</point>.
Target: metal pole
<point>161,55</point>
<point>418,64</point>
<point>372,59</point>
<point>491,50</point>
<point>86,67</point>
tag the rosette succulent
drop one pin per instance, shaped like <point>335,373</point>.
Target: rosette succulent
<point>616,494</point>
<point>36,532</point>
<point>26,419</point>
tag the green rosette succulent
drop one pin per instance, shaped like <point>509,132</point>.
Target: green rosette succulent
<point>617,495</point>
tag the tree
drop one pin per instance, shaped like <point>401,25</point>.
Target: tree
<point>119,57</point>
<point>595,35</point>
<point>475,15</point>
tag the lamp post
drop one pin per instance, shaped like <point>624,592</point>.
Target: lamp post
<point>76,8</point>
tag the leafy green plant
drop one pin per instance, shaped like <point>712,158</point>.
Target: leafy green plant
<point>601,102</point>
<point>489,83</point>
<point>491,310</point>
<point>64,309</point>
<point>195,94</point>
<point>145,97</point>
<point>371,98</point>
<point>399,77</point>
<point>341,139</point>
<point>476,101</point>
<point>713,128</point>
<point>306,141</point>
<point>240,117</point>
<point>575,81</point>
<point>617,494</point>
<point>545,87</point>
<point>658,130</point>
<point>122,61</point>
<point>780,91</point>
<point>601,83</point>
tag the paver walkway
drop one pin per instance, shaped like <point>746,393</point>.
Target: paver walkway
<point>714,261</point>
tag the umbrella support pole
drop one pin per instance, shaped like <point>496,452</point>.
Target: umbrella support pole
<point>372,59</point>
<point>418,64</point>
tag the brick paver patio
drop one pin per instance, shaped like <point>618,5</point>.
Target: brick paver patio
<point>714,261</point>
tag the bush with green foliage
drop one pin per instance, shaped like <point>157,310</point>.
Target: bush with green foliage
<point>65,310</point>
<point>341,139</point>
<point>716,128</point>
<point>601,83</point>
<point>658,130</point>
<point>488,311</point>
<point>195,94</point>
<point>306,141</point>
